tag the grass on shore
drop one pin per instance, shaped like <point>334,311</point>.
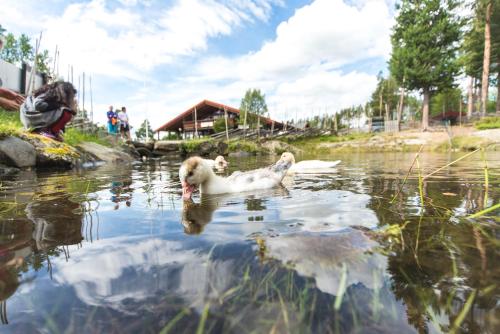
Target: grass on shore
<point>74,137</point>
<point>245,146</point>
<point>488,123</point>
<point>193,145</point>
<point>10,125</point>
<point>311,143</point>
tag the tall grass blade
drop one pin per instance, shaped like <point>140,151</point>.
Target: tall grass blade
<point>461,316</point>
<point>341,290</point>
<point>451,163</point>
<point>485,211</point>
<point>171,323</point>
<point>203,319</point>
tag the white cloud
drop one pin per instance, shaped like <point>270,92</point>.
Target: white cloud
<point>302,68</point>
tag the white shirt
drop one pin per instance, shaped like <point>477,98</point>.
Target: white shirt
<point>123,117</point>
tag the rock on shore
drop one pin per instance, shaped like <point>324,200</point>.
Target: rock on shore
<point>31,150</point>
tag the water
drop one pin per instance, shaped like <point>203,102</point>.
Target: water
<point>116,250</point>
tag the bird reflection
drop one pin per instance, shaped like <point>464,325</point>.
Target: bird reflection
<point>195,216</point>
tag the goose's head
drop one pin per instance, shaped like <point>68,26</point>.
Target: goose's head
<point>288,157</point>
<point>193,172</point>
<point>220,162</point>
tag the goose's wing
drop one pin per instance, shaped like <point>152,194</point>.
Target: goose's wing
<point>263,178</point>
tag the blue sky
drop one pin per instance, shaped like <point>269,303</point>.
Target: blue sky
<point>158,58</point>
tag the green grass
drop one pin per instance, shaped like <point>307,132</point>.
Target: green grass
<point>488,123</point>
<point>462,143</point>
<point>10,124</point>
<point>74,137</point>
<point>193,145</point>
<point>312,142</point>
<point>245,146</point>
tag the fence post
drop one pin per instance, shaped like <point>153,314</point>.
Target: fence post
<point>24,71</point>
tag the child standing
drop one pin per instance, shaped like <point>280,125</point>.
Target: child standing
<point>124,124</point>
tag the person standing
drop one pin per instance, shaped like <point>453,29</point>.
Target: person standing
<point>124,124</point>
<point>112,121</point>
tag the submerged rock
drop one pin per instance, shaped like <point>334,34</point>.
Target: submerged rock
<point>6,170</point>
<point>104,153</point>
<point>16,152</point>
<point>278,147</point>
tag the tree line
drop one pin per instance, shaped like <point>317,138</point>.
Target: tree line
<point>18,50</point>
<point>434,46</point>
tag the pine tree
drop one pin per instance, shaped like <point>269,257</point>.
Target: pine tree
<point>10,51</point>
<point>424,47</point>
<point>254,103</point>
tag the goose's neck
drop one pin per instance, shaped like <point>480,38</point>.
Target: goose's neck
<point>214,184</point>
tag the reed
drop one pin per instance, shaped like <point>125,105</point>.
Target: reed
<point>461,316</point>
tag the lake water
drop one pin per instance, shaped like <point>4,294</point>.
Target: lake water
<point>115,250</point>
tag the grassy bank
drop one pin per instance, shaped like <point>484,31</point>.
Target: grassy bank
<point>466,139</point>
<point>10,125</point>
<point>197,146</point>
<point>488,123</point>
<point>314,143</point>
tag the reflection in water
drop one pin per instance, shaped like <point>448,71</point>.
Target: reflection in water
<point>121,191</point>
<point>287,260</point>
<point>324,256</point>
<point>196,215</point>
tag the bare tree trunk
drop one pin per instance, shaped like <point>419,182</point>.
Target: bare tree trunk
<point>470,98</point>
<point>381,102</point>
<point>400,105</point>
<point>425,110</point>
<point>498,92</point>
<point>387,112</point>
<point>486,61</point>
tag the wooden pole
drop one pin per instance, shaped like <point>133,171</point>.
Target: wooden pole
<point>31,82</point>
<point>83,95</point>
<point>460,111</point>
<point>78,94</point>
<point>58,61</point>
<point>245,122</point>
<point>92,103</point>
<point>258,126</point>
<point>225,119</point>
<point>55,61</point>
<point>196,123</point>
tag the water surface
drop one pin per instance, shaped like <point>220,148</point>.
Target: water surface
<point>116,250</point>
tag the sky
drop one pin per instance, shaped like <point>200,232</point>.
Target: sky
<point>160,57</point>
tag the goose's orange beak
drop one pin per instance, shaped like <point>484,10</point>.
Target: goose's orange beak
<point>187,190</point>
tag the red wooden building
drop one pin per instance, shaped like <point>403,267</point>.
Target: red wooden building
<point>202,116</point>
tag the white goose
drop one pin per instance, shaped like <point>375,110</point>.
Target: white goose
<point>219,163</point>
<point>308,166</point>
<point>195,172</point>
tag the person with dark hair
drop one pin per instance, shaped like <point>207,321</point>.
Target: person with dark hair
<point>49,109</point>
<point>112,121</point>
